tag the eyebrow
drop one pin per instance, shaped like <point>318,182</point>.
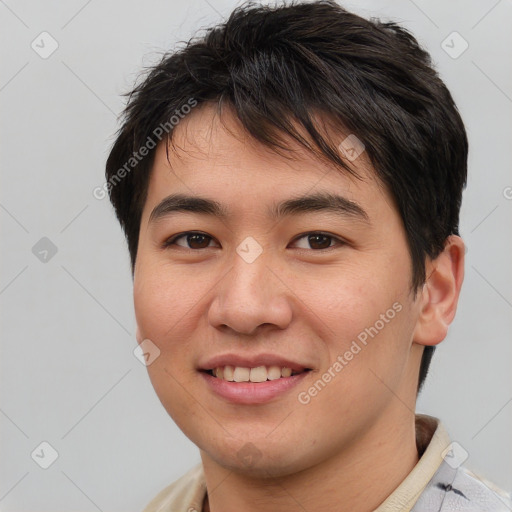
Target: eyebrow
<point>176,203</point>
<point>182,203</point>
<point>320,202</point>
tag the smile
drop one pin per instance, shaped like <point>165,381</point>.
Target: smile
<point>251,379</point>
<point>257,374</point>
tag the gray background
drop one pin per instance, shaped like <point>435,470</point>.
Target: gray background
<point>68,374</point>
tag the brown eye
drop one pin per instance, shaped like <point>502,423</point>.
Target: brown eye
<point>190,240</point>
<point>319,241</point>
<point>198,241</point>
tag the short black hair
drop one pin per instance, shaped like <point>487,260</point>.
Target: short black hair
<point>279,68</point>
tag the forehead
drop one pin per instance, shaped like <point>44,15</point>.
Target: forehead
<point>210,151</point>
<point>211,131</point>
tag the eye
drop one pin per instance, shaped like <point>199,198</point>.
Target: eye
<point>190,240</point>
<point>317,241</point>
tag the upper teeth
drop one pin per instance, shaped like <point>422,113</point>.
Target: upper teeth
<point>258,374</point>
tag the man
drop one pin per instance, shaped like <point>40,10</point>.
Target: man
<point>290,187</point>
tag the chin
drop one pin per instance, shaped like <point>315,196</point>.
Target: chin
<point>258,462</point>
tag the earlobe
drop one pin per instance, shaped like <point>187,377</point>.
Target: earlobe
<point>440,294</point>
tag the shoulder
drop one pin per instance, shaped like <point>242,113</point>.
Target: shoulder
<point>186,493</point>
<point>457,488</point>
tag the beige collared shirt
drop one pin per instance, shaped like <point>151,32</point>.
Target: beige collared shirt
<point>188,493</point>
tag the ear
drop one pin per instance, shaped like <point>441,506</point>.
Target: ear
<point>440,294</point>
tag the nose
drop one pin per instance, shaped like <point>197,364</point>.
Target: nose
<point>251,297</point>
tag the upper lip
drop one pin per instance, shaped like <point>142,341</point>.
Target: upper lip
<point>254,361</point>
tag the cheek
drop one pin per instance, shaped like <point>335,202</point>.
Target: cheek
<point>366,325</point>
<point>165,313</point>
<point>165,302</point>
<point>348,300</point>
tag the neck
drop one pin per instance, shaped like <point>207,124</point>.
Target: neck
<point>358,479</point>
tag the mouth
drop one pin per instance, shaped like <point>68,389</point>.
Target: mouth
<point>255,374</point>
<point>249,381</point>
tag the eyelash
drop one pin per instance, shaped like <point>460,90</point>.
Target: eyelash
<point>172,240</point>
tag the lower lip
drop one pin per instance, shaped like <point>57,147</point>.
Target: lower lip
<point>252,392</point>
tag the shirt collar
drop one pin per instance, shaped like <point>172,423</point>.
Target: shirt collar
<point>431,440</point>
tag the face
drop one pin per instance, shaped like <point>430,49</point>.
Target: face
<point>282,271</point>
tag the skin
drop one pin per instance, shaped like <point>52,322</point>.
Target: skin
<point>354,442</point>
